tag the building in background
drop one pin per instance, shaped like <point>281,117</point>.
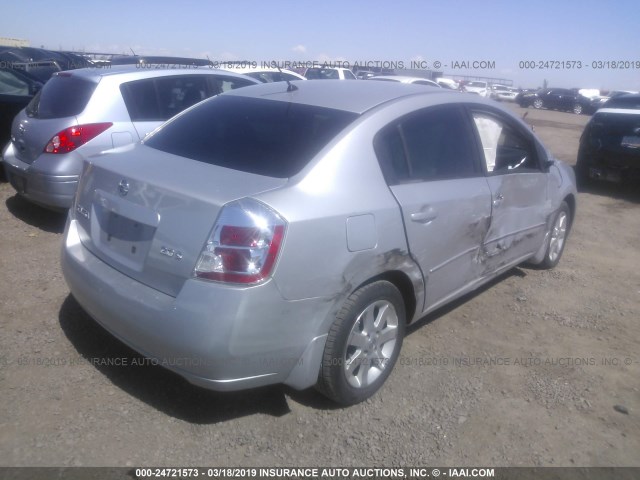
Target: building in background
<point>13,42</point>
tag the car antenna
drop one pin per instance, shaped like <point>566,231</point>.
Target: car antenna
<point>290,86</point>
<point>134,53</point>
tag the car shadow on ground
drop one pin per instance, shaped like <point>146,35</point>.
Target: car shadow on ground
<point>39,217</point>
<point>157,386</point>
<point>171,394</point>
<point>448,308</point>
<point>628,190</point>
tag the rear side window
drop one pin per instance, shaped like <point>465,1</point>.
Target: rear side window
<point>322,74</point>
<point>348,75</point>
<point>268,77</point>
<point>264,137</point>
<point>221,84</point>
<point>432,144</point>
<point>62,96</point>
<point>159,99</point>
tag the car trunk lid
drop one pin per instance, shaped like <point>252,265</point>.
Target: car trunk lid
<point>149,213</point>
<point>30,136</point>
<point>54,108</point>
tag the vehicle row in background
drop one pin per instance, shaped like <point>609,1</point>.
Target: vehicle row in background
<point>79,113</point>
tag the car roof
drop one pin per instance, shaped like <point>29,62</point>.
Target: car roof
<point>130,72</point>
<point>356,97</point>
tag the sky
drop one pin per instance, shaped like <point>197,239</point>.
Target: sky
<point>568,43</point>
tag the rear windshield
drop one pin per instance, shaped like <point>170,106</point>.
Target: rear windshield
<point>624,101</point>
<point>265,137</point>
<point>614,124</point>
<point>62,96</point>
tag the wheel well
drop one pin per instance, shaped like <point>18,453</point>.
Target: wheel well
<point>402,282</point>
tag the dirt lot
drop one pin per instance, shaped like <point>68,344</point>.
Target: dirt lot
<point>525,372</point>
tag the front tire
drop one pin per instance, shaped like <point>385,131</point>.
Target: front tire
<point>577,109</point>
<point>537,103</point>
<point>363,343</point>
<point>557,237</point>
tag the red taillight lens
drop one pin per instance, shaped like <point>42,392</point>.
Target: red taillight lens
<point>244,244</point>
<point>71,138</point>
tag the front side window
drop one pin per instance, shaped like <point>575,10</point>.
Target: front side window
<point>505,149</point>
<point>431,144</point>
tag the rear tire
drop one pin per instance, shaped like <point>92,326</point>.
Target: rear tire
<point>363,344</point>
<point>577,109</point>
<point>537,103</point>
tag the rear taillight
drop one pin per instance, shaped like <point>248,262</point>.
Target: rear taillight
<point>71,138</point>
<point>243,245</point>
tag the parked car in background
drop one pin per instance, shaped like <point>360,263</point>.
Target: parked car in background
<point>329,73</point>
<point>610,143</point>
<point>266,75</point>
<point>478,87</point>
<point>82,112</point>
<point>447,83</point>
<point>555,99</point>
<point>406,79</point>
<point>40,63</point>
<point>364,74</point>
<point>17,88</point>
<point>503,93</point>
<point>271,235</point>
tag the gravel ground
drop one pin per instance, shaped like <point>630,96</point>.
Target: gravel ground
<point>539,368</point>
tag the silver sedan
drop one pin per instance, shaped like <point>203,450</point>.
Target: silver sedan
<point>289,232</point>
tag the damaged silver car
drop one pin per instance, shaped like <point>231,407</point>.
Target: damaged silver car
<point>289,232</point>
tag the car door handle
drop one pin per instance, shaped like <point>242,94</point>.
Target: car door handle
<point>498,200</point>
<point>424,217</point>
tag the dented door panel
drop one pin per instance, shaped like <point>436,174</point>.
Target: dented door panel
<point>446,223</point>
<point>518,219</point>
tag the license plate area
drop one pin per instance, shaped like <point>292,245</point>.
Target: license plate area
<point>124,239</point>
<point>605,174</point>
<point>630,142</point>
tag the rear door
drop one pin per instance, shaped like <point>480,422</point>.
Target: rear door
<point>433,170</point>
<point>518,186</point>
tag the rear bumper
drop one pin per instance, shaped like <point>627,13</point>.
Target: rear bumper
<point>216,336</point>
<point>611,166</point>
<point>47,190</point>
